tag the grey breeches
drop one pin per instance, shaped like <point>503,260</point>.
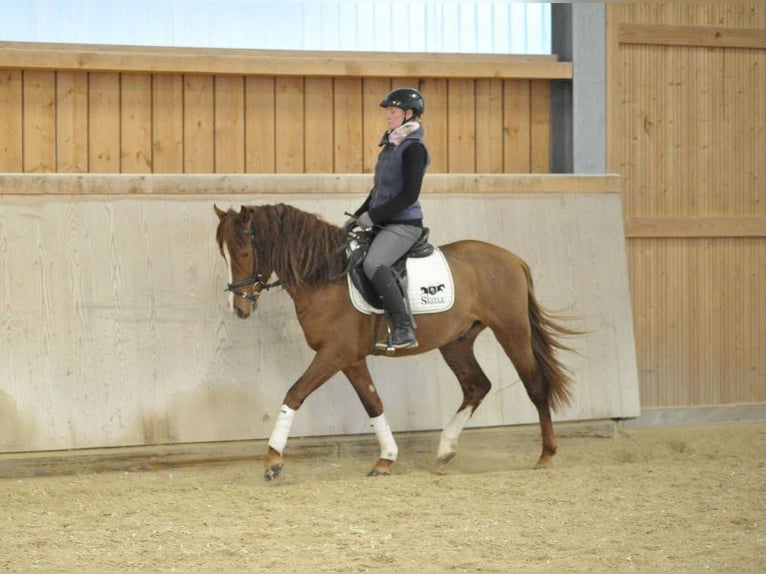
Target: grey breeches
<point>390,244</point>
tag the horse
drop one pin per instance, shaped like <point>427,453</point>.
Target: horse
<point>493,287</point>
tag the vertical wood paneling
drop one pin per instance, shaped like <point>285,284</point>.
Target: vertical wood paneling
<point>229,124</point>
<point>373,125</point>
<point>740,283</point>
<point>700,136</point>
<point>104,123</point>
<point>540,126</point>
<point>260,125</point>
<point>39,117</point>
<point>198,124</point>
<point>436,122</point>
<point>167,123</point>
<point>320,135</point>
<point>708,288</point>
<point>516,124</point>
<point>11,140</point>
<point>724,14</point>
<point>288,112</point>
<point>136,123</point>
<point>347,106</point>
<point>753,341</point>
<point>689,140</point>
<point>461,105</point>
<point>745,131</point>
<point>171,123</point>
<point>72,122</point>
<point>489,126</point>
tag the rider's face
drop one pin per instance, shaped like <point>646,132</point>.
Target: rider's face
<point>394,117</point>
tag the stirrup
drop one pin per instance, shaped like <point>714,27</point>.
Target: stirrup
<point>390,347</point>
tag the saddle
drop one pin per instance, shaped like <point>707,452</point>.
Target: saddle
<point>432,290</point>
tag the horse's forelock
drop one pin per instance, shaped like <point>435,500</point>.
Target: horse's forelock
<point>230,230</point>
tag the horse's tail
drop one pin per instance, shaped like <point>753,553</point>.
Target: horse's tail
<point>546,333</point>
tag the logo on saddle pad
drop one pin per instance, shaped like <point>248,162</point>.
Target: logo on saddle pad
<point>429,286</point>
<point>432,295</point>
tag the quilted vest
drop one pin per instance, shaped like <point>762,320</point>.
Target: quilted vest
<point>389,178</point>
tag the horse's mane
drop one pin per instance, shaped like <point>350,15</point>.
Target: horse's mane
<point>304,249</point>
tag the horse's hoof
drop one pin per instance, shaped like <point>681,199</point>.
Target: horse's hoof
<point>375,472</point>
<point>445,459</point>
<point>543,463</point>
<point>272,472</point>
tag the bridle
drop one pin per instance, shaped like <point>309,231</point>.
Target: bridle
<point>256,279</point>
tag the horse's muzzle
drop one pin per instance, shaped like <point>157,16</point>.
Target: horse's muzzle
<point>243,304</point>
<point>241,313</point>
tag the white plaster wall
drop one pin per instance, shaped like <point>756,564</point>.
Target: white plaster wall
<point>115,329</point>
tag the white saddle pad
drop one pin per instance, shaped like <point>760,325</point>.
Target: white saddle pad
<point>429,286</point>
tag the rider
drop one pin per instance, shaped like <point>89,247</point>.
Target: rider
<point>393,208</point>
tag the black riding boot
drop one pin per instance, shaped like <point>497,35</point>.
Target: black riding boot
<point>402,333</point>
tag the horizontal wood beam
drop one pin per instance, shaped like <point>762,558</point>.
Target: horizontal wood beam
<point>699,36</point>
<point>677,227</point>
<point>532,183</point>
<point>253,184</point>
<point>101,58</point>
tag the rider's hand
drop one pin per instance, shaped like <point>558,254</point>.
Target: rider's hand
<point>364,221</point>
<point>350,224</point>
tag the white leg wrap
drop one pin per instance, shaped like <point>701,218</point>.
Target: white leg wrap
<point>450,434</point>
<point>388,448</point>
<point>278,438</point>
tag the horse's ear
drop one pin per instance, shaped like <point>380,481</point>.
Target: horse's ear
<point>219,212</point>
<point>245,214</point>
<point>244,217</point>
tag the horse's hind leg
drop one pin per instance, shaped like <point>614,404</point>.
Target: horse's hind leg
<point>475,384</point>
<point>517,344</point>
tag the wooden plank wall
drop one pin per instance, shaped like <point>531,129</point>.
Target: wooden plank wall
<point>99,109</point>
<point>687,130</point>
<point>115,328</point>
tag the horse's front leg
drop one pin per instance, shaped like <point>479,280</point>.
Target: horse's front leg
<point>324,365</point>
<point>359,376</point>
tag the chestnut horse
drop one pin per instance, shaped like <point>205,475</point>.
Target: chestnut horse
<point>493,290</point>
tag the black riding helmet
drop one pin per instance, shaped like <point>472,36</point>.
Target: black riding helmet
<point>406,99</point>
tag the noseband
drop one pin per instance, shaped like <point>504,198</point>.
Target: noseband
<point>256,279</point>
